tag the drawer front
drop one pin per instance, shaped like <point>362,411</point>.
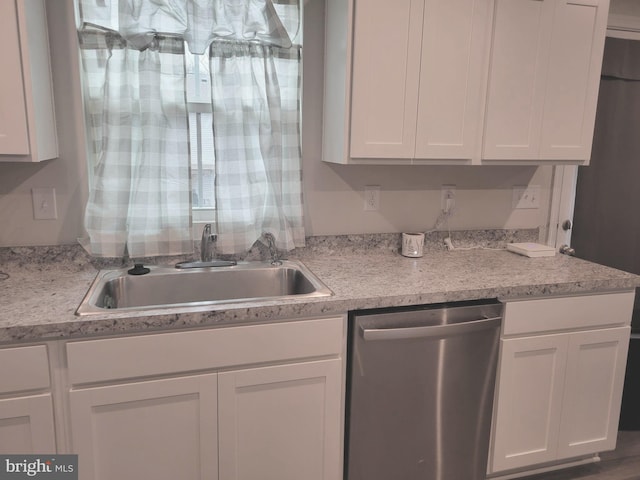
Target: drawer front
<point>568,313</point>
<point>24,368</point>
<point>166,353</point>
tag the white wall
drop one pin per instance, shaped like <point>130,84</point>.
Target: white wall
<point>410,195</point>
<point>67,174</point>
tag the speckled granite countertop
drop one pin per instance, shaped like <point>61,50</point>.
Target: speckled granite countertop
<point>38,298</point>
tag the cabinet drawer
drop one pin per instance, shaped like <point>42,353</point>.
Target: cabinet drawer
<point>24,368</point>
<point>567,313</point>
<point>167,353</point>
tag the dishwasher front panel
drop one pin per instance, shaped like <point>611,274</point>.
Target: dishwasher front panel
<point>421,392</point>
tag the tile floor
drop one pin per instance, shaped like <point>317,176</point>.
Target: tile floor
<point>621,464</point>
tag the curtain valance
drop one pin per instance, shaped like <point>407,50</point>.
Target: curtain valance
<point>198,22</point>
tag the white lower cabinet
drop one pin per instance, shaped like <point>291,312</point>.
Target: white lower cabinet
<point>278,423</point>
<point>558,395</point>
<point>256,402</point>
<point>26,409</point>
<point>163,429</point>
<point>531,377</point>
<point>26,425</point>
<point>596,363</point>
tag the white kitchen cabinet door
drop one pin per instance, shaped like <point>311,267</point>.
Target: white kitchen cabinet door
<point>387,40</point>
<point>281,422</point>
<point>530,382</point>
<point>454,54</point>
<point>418,78</point>
<point>575,62</point>
<point>543,79</point>
<point>161,429</point>
<point>27,121</point>
<point>14,135</point>
<point>593,391</point>
<point>517,78</point>
<point>26,425</point>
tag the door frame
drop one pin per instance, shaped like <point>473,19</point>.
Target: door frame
<point>563,196</point>
<point>565,177</point>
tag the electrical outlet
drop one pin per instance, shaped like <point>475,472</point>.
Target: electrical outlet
<point>447,198</point>
<point>371,198</point>
<point>44,203</point>
<point>526,197</point>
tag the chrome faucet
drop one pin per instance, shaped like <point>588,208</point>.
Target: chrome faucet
<point>273,251</point>
<point>207,258</point>
<point>208,240</point>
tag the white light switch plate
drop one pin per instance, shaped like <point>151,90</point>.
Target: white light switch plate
<point>44,203</point>
<point>526,197</point>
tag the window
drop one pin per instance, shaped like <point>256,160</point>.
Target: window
<point>193,111</point>
<point>202,152</point>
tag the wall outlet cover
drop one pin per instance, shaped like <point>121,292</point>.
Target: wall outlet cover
<point>447,198</point>
<point>371,198</point>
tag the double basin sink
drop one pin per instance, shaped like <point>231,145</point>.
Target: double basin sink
<point>168,287</point>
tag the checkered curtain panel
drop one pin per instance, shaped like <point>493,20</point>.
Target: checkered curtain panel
<point>256,137</point>
<point>137,116</point>
<point>139,200</point>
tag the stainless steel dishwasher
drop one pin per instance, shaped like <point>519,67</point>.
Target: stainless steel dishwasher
<point>420,391</point>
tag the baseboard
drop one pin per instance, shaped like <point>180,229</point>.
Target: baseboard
<point>548,468</point>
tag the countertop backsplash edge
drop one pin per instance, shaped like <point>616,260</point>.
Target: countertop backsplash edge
<point>73,257</point>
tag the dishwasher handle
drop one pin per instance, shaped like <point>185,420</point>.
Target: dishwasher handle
<point>437,331</point>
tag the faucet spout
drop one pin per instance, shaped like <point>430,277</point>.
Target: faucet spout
<point>273,251</point>
<point>207,258</point>
<point>208,240</point>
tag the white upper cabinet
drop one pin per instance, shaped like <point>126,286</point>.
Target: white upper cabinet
<point>386,70</point>
<point>462,81</point>
<point>417,81</point>
<point>544,76</point>
<point>14,136</point>
<point>575,63</point>
<point>517,77</point>
<point>454,55</point>
<point>27,122</point>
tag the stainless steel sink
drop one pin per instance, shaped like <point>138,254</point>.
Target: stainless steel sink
<point>165,287</point>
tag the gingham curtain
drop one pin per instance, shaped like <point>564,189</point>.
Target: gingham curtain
<point>134,76</point>
<point>256,138</point>
<point>139,200</point>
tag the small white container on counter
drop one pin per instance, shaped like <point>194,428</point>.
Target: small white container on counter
<point>413,244</point>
